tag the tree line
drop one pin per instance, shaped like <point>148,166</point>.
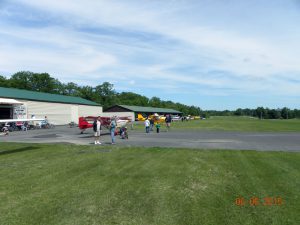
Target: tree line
<point>105,95</point>
<point>259,112</point>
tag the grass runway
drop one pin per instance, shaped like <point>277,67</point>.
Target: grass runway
<point>236,123</point>
<point>68,184</point>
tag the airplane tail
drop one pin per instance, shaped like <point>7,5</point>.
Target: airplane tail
<point>140,117</point>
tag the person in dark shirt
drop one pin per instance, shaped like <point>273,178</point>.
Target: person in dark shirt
<point>151,124</point>
<point>157,127</point>
<point>168,122</point>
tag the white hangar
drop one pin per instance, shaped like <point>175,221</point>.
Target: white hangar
<point>59,109</point>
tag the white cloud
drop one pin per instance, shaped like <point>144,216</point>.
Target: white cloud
<point>226,46</point>
<point>79,61</point>
<point>150,41</point>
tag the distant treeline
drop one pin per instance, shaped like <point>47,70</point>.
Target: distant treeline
<point>105,95</point>
<point>260,112</point>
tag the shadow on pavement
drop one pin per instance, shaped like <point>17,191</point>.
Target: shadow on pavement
<point>92,136</point>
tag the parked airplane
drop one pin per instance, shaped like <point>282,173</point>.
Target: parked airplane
<point>175,118</point>
<point>140,117</point>
<point>10,124</point>
<point>155,117</point>
<point>87,122</point>
<point>19,120</point>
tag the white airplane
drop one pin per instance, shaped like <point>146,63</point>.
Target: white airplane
<point>5,126</point>
<point>122,123</point>
<point>19,120</point>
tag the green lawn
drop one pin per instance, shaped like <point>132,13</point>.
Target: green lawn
<point>68,184</point>
<point>230,123</point>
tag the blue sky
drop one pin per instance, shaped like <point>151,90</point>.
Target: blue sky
<point>214,54</point>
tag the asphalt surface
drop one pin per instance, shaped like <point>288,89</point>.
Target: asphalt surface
<point>261,141</point>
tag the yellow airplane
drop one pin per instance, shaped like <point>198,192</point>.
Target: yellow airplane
<point>140,117</point>
<point>157,118</point>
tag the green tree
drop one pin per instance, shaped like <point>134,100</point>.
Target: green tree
<point>182,108</point>
<point>87,92</point>
<point>4,82</point>
<point>71,89</point>
<point>59,88</point>
<point>285,113</point>
<point>21,80</point>
<point>42,82</point>
<point>106,94</point>
<point>238,112</point>
<point>130,98</point>
<point>297,113</point>
<point>261,113</point>
<point>194,111</point>
<point>155,102</point>
<point>274,114</point>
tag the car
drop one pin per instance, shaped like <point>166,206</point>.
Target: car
<point>175,117</point>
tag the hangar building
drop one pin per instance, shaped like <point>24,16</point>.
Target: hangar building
<point>60,109</point>
<point>134,110</point>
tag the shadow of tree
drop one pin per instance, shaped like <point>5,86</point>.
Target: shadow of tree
<point>17,150</point>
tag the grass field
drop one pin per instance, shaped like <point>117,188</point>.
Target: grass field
<point>235,123</point>
<point>68,184</point>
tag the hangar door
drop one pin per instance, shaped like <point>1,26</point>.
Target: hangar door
<point>5,112</point>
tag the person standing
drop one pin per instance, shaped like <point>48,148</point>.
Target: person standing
<point>113,125</point>
<point>168,122</point>
<point>151,124</point>
<point>147,125</point>
<point>131,124</point>
<point>157,127</point>
<point>97,130</point>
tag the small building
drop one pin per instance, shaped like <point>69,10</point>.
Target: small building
<point>135,110</point>
<point>59,109</point>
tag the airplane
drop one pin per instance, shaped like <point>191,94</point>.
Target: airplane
<point>157,118</point>
<point>19,120</point>
<point>86,122</point>
<point>175,118</point>
<point>140,117</point>
<point>4,124</point>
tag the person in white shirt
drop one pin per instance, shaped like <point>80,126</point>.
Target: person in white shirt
<point>97,130</point>
<point>147,125</point>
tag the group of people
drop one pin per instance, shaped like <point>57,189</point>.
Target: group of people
<point>42,124</point>
<point>112,129</point>
<point>149,124</point>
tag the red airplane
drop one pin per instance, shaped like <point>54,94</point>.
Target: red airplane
<point>87,122</point>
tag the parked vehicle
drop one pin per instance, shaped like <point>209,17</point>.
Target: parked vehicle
<point>175,117</point>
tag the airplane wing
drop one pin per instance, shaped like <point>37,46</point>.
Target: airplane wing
<point>122,123</point>
<point>19,120</point>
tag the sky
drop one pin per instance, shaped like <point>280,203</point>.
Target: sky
<point>214,54</point>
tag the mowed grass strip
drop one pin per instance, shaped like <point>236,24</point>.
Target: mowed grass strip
<point>234,123</point>
<point>69,184</point>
